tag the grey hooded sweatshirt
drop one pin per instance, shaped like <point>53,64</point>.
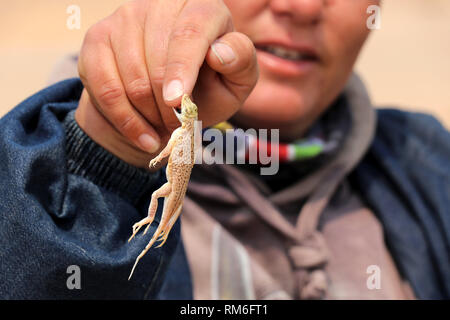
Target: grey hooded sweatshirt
<point>312,239</point>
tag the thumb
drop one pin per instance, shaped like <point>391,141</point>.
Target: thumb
<point>234,57</point>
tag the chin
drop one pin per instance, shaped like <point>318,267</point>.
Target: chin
<point>277,106</point>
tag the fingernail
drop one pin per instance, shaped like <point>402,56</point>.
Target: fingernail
<point>173,90</point>
<point>223,52</point>
<point>148,143</point>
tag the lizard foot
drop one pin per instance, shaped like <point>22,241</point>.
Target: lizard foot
<point>138,225</point>
<point>153,163</point>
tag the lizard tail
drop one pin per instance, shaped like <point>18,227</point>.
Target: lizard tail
<point>132,270</point>
<point>149,245</point>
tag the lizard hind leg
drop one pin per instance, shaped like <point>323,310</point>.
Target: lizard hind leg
<point>165,218</point>
<point>163,191</point>
<point>168,227</point>
<point>159,230</point>
<point>149,245</point>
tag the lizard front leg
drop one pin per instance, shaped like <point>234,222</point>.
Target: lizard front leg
<point>166,151</point>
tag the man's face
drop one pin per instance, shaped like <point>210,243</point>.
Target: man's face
<point>306,50</point>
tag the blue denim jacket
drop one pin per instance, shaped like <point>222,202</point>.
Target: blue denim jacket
<point>405,179</point>
<point>67,201</point>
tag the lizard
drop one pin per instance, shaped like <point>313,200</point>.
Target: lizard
<point>180,150</point>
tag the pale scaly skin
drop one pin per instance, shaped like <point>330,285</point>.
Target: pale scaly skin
<point>180,150</point>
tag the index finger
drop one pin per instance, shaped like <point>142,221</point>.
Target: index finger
<point>192,35</point>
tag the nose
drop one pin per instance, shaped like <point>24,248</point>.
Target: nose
<point>301,11</point>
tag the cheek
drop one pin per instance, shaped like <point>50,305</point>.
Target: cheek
<point>345,31</point>
<point>343,36</point>
<point>243,11</point>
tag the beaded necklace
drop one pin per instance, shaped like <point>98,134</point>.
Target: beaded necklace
<point>311,146</point>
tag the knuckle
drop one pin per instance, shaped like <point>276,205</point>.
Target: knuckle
<point>139,89</point>
<point>157,75</point>
<point>225,15</point>
<point>126,10</point>
<point>110,93</point>
<point>91,33</point>
<point>97,33</point>
<point>127,124</point>
<point>216,11</point>
<point>129,12</point>
<point>186,32</point>
<point>180,64</point>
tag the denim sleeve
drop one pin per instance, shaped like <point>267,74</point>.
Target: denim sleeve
<point>67,207</point>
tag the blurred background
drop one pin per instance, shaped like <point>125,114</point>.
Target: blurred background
<point>405,64</point>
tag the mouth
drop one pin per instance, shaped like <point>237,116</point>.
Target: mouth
<point>287,61</point>
<point>288,54</point>
<point>177,112</point>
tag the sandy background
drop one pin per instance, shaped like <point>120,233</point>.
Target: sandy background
<point>406,63</point>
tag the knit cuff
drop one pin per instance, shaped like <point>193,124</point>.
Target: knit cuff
<point>88,159</point>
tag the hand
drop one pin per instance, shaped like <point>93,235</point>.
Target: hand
<point>136,64</point>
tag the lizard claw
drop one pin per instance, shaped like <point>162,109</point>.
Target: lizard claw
<point>146,229</point>
<point>137,226</point>
<point>153,163</point>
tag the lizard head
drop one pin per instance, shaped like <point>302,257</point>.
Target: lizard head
<point>188,110</point>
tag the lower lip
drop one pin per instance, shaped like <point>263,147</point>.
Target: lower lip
<point>284,67</point>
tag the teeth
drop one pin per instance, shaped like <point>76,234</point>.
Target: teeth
<point>285,53</point>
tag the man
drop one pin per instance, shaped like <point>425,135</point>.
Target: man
<point>316,229</point>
